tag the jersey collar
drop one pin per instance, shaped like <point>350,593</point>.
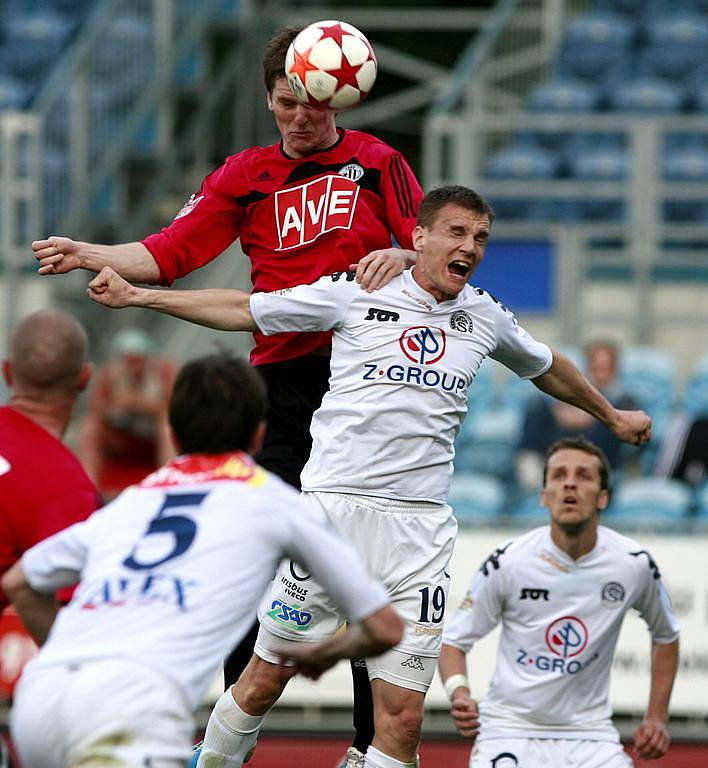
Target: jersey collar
<point>340,139</point>
<point>423,297</point>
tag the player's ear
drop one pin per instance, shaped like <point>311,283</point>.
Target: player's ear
<point>544,499</point>
<point>419,235</point>
<point>85,375</point>
<point>7,371</point>
<point>269,100</point>
<point>255,444</point>
<point>603,500</point>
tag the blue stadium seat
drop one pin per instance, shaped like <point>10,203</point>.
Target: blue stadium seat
<point>677,43</point>
<point>701,504</point>
<point>568,95</point>
<point>476,498</point>
<point>528,512</point>
<point>487,442</point>
<point>650,503</point>
<point>124,48</point>
<point>648,374</point>
<point>626,7</point>
<point>601,163</point>
<point>685,212</point>
<point>13,94</point>
<point>594,43</point>
<point>524,161</point>
<point>685,164</point>
<point>645,95</point>
<point>34,41</point>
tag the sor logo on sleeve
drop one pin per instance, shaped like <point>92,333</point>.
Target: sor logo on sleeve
<point>528,593</point>
<point>305,212</point>
<point>382,315</point>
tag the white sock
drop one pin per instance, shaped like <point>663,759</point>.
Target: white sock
<point>230,734</point>
<point>376,759</point>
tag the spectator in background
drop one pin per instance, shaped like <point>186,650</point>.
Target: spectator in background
<point>547,420</point>
<point>43,488</point>
<point>125,434</point>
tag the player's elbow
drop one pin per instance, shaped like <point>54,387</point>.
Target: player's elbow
<point>385,629</point>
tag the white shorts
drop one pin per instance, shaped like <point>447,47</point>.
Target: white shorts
<point>99,713</point>
<point>407,546</point>
<point>548,753</point>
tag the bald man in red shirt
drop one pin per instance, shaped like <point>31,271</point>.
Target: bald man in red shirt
<point>43,487</point>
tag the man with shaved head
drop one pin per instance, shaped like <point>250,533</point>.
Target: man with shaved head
<point>43,488</point>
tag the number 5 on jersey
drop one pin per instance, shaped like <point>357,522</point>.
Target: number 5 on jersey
<point>183,530</point>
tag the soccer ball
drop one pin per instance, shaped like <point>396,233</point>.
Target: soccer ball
<point>330,65</point>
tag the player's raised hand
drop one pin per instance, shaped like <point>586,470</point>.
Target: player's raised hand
<point>465,715</point>
<point>111,290</point>
<point>57,255</point>
<point>378,268</point>
<point>632,426</point>
<point>651,739</point>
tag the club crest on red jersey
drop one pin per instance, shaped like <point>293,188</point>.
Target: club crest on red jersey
<point>305,212</point>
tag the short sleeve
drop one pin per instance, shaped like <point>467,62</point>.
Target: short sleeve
<point>205,226</point>
<point>58,561</point>
<point>654,603</point>
<point>516,348</point>
<point>317,307</point>
<point>480,610</point>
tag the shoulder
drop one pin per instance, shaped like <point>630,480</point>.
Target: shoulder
<point>627,552</point>
<point>489,302</point>
<point>369,142</point>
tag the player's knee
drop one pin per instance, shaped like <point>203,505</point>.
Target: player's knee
<point>402,723</point>
<point>259,687</point>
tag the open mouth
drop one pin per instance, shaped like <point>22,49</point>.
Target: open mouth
<point>459,268</point>
<point>570,500</point>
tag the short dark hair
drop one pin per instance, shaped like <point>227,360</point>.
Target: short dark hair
<point>216,404</point>
<point>274,55</point>
<point>581,444</point>
<point>452,194</point>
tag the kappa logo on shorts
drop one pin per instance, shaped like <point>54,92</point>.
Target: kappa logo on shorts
<point>308,211</point>
<point>414,662</point>
<point>505,760</point>
<point>292,617</point>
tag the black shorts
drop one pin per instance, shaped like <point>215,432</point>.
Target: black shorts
<point>295,391</point>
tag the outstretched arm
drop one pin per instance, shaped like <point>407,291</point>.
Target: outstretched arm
<point>565,382</point>
<point>221,308</point>
<point>58,255</point>
<point>651,739</point>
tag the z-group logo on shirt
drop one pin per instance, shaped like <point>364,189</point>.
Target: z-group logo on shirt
<point>565,638</point>
<point>423,345</point>
<point>304,213</point>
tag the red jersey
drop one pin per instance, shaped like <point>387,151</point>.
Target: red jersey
<point>298,219</point>
<point>43,487</point>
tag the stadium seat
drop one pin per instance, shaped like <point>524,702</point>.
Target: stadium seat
<point>695,398</point>
<point>600,163</point>
<point>685,212</point>
<point>13,94</point>
<point>567,95</point>
<point>677,43</point>
<point>651,503</point>
<point>646,95</point>
<point>125,49</point>
<point>647,374</point>
<point>524,161</point>
<point>686,164</point>
<point>528,512</point>
<point>487,442</point>
<point>476,498</point>
<point>34,41</point>
<point>701,504</point>
<point>594,43</point>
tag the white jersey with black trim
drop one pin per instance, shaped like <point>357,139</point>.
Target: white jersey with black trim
<point>172,571</point>
<point>560,622</point>
<point>401,366</point>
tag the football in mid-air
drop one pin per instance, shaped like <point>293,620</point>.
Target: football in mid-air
<point>330,65</point>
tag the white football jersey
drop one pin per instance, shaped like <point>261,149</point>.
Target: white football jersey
<point>172,571</point>
<point>401,366</point>
<point>560,622</point>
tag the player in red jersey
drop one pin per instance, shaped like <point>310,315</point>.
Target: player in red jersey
<point>321,200</point>
<point>43,488</point>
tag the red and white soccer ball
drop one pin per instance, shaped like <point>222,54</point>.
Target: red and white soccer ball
<point>330,65</point>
